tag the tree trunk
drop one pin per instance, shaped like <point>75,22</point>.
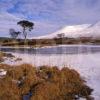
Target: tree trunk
<point>25,37</point>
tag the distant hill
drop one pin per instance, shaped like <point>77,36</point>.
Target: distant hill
<point>84,30</point>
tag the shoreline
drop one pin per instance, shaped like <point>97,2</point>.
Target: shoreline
<point>28,47</point>
<point>28,79</point>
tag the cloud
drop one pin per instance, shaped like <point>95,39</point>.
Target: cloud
<point>63,12</point>
<point>50,15</point>
<point>8,21</point>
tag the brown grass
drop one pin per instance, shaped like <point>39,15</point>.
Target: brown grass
<point>45,83</point>
<point>3,54</point>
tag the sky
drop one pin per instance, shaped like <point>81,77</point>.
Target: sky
<point>47,15</point>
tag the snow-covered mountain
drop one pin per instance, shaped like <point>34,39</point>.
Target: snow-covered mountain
<point>84,30</point>
<point>93,30</point>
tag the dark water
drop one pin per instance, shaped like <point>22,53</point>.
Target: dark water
<point>27,96</point>
<point>68,49</point>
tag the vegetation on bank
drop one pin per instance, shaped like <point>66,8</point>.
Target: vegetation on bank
<point>47,42</point>
<point>43,83</point>
<point>3,55</point>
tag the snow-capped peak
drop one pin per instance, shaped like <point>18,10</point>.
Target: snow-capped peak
<point>84,30</point>
<point>93,30</point>
<point>68,31</point>
<point>74,28</point>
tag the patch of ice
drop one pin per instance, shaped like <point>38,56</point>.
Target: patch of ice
<point>2,72</point>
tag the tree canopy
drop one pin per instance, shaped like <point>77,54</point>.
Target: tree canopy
<point>26,25</point>
<point>13,33</point>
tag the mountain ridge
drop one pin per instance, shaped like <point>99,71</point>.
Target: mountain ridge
<point>83,30</point>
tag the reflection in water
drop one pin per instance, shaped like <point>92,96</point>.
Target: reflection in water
<point>66,49</point>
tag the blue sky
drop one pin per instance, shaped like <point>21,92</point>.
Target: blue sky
<point>51,15</point>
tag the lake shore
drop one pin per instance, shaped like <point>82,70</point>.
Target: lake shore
<point>26,81</point>
<point>87,64</point>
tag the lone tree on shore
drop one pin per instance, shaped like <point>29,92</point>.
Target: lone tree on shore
<point>13,33</point>
<point>61,35</point>
<point>27,26</point>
